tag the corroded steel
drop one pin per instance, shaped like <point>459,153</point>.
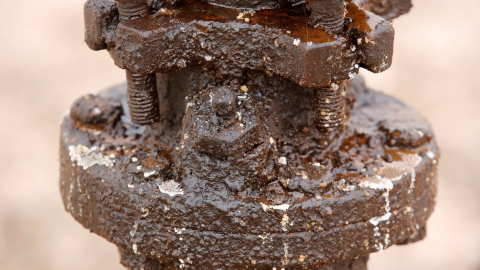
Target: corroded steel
<point>244,138</point>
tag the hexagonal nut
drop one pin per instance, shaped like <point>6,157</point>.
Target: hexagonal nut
<point>219,127</point>
<point>388,9</point>
<point>232,141</point>
<point>94,110</point>
<point>319,62</point>
<point>99,15</point>
<point>401,133</point>
<point>223,101</point>
<point>311,179</point>
<point>375,40</point>
<point>378,48</point>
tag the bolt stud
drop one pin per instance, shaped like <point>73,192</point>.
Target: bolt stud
<point>329,108</point>
<point>142,98</point>
<point>132,9</point>
<point>328,13</point>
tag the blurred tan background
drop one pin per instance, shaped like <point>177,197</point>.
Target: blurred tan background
<point>45,66</point>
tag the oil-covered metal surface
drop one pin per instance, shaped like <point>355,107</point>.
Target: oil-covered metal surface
<point>270,199</point>
<point>242,140</point>
<point>231,40</point>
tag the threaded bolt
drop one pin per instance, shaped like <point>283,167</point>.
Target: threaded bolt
<point>328,13</point>
<point>142,98</point>
<point>329,108</point>
<point>132,9</point>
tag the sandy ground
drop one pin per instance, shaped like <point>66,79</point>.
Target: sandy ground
<point>45,66</point>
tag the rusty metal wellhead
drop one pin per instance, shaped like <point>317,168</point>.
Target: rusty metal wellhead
<point>244,139</point>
